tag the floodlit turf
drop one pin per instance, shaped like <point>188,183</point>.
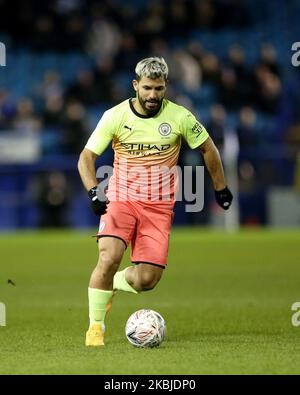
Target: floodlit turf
<point>226,299</point>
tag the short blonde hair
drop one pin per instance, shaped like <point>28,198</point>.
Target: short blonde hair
<point>153,68</point>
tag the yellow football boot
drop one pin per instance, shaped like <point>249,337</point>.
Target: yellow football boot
<point>95,335</point>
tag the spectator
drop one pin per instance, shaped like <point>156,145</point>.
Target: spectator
<point>127,56</point>
<point>216,125</point>
<point>74,34</point>
<point>44,37</point>
<point>53,113</point>
<point>178,18</point>
<point>85,89</point>
<point>52,196</point>
<point>237,61</point>
<point>26,120</point>
<point>103,78</point>
<point>186,71</point>
<point>247,130</point>
<point>210,68</point>
<point>50,86</point>
<point>151,25</point>
<point>229,93</point>
<point>269,59</point>
<point>160,47</point>
<point>74,128</point>
<point>266,89</point>
<point>104,37</point>
<point>203,14</point>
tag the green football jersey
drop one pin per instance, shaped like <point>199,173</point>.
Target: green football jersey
<point>144,144</point>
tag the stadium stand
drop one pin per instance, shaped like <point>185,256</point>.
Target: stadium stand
<point>67,61</point>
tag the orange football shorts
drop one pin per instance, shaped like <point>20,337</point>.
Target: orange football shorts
<point>146,225</point>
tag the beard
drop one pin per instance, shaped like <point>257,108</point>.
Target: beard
<point>151,107</point>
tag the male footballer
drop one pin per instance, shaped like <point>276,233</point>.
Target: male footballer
<point>146,133</point>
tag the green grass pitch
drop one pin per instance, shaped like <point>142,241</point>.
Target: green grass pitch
<point>226,299</point>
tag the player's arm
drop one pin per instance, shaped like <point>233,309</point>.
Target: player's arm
<point>86,168</point>
<point>213,163</point>
<point>87,171</point>
<point>196,136</point>
<point>214,166</point>
<point>97,143</point>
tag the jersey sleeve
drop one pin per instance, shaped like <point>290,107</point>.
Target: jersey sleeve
<point>192,130</point>
<point>102,135</point>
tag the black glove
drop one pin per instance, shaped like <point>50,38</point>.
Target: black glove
<point>99,200</point>
<point>224,198</point>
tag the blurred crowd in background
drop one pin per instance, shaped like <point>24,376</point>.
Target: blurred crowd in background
<point>229,60</point>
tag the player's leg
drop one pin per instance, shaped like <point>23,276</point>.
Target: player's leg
<point>144,276</point>
<point>100,290</point>
<point>149,250</point>
<point>115,231</point>
<point>121,282</point>
<point>111,250</point>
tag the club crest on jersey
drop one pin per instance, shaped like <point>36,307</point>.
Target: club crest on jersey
<point>164,129</point>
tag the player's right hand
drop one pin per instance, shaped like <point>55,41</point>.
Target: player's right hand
<point>99,200</point>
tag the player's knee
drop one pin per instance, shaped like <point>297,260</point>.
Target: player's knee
<point>147,281</point>
<point>109,259</point>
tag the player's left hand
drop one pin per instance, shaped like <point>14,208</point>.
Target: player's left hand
<point>224,198</point>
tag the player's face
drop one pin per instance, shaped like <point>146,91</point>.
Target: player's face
<point>150,93</point>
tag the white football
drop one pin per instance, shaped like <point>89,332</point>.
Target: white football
<point>145,328</point>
